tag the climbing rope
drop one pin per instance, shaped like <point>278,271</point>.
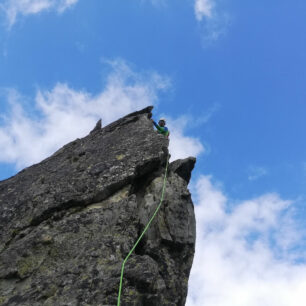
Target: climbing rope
<point>144,231</point>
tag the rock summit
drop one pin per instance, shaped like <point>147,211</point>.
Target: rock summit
<point>68,222</point>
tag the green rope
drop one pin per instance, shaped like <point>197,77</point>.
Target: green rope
<point>144,231</point>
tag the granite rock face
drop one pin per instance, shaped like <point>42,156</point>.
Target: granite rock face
<point>68,222</point>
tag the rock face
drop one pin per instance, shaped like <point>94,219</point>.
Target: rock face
<point>68,222</point>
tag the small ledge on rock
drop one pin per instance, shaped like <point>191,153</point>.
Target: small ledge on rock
<point>183,167</point>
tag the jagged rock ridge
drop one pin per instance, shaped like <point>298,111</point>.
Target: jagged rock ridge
<point>68,222</point>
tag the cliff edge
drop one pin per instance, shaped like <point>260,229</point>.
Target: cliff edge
<point>68,222</point>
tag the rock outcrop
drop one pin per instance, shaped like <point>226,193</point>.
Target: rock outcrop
<point>68,222</point>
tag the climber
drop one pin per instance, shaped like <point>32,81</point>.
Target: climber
<point>161,127</point>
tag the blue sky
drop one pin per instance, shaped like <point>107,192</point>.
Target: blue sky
<point>228,75</point>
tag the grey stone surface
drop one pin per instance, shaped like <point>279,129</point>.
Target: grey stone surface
<point>68,222</point>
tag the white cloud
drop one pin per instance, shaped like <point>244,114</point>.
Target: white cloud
<point>66,113</point>
<point>182,146</point>
<point>14,8</point>
<point>246,255</point>
<point>63,114</point>
<point>203,8</point>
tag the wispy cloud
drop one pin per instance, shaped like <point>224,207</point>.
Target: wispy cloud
<point>157,3</point>
<point>15,8</point>
<point>204,117</point>
<point>213,19</point>
<point>255,172</point>
<point>246,255</point>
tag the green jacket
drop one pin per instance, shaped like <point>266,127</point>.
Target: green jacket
<point>162,129</point>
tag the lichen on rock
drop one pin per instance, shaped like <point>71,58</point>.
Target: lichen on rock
<point>68,222</point>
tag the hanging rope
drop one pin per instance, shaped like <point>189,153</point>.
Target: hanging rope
<point>144,231</point>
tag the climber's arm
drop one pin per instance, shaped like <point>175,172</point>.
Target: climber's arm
<point>161,129</point>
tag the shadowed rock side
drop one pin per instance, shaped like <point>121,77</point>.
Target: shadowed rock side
<point>68,222</point>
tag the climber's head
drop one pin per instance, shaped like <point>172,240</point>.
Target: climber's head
<point>162,122</point>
